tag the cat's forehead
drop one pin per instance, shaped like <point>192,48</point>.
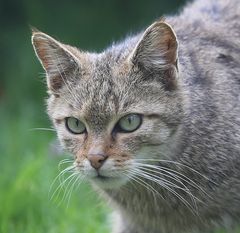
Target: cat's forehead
<point>108,86</point>
<point>103,86</point>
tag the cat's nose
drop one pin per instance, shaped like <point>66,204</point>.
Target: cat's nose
<point>97,160</point>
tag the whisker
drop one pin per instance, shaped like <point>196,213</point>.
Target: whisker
<point>68,196</point>
<point>80,180</point>
<point>61,182</point>
<point>69,180</point>
<point>164,185</point>
<point>42,129</point>
<point>63,162</point>
<point>178,179</point>
<point>176,174</point>
<point>165,175</point>
<point>173,185</point>
<point>60,174</point>
<point>179,164</point>
<point>136,177</point>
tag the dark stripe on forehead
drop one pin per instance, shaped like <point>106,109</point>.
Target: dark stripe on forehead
<point>103,105</point>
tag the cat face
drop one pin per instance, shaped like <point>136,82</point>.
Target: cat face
<point>116,109</point>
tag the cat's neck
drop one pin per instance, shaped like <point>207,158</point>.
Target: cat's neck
<point>151,206</point>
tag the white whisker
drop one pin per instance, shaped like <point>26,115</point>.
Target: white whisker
<point>162,170</point>
<point>63,162</point>
<point>62,182</point>
<point>69,180</point>
<point>164,185</point>
<point>161,180</point>
<point>42,129</point>
<point>136,177</point>
<point>179,164</point>
<point>68,196</point>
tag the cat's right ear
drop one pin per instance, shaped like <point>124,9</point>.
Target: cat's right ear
<point>57,59</point>
<point>157,49</point>
<point>157,52</point>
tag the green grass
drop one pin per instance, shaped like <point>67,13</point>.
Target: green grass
<point>27,172</point>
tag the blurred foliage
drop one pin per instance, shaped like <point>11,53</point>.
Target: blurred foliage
<point>27,165</point>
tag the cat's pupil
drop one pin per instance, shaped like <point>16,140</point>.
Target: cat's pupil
<point>129,120</point>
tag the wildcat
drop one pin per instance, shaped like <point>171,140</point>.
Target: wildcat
<point>153,122</point>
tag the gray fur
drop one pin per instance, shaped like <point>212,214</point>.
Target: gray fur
<point>189,95</point>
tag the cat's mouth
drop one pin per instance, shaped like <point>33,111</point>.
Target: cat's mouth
<point>108,182</point>
<point>104,178</point>
<point>101,177</point>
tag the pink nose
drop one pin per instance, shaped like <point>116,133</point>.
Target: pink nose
<point>97,160</point>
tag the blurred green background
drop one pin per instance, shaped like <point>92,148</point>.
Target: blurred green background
<point>28,166</point>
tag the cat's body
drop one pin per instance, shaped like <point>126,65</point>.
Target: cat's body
<point>178,170</point>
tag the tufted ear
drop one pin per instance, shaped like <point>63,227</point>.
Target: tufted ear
<point>57,59</point>
<point>157,49</point>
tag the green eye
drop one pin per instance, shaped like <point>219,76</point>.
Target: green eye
<point>130,123</point>
<point>75,126</point>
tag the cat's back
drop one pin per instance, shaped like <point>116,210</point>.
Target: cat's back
<point>209,45</point>
<point>208,32</point>
<point>209,61</point>
<point>211,10</point>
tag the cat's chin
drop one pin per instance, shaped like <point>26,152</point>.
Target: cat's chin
<point>105,182</point>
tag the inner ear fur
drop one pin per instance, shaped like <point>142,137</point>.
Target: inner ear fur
<point>157,48</point>
<point>56,58</point>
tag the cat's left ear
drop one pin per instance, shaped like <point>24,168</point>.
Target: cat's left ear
<point>57,59</point>
<point>157,49</point>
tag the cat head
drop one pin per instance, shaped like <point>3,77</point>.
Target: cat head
<point>117,109</point>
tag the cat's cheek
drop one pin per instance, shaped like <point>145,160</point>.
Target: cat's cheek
<point>146,153</point>
<point>161,136</point>
<point>69,142</point>
<point>71,145</point>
